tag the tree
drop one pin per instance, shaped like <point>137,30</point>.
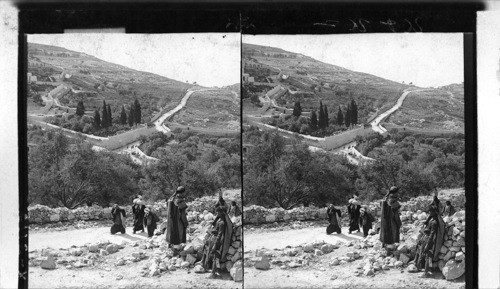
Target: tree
<point>80,108</point>
<point>131,116</point>
<point>340,117</point>
<point>326,120</point>
<point>104,120</point>
<point>137,111</point>
<point>297,109</point>
<point>347,116</point>
<point>321,116</point>
<point>314,121</point>
<point>110,116</point>
<point>97,119</point>
<point>123,116</point>
<point>354,112</point>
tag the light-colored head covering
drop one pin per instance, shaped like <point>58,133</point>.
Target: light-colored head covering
<point>135,201</point>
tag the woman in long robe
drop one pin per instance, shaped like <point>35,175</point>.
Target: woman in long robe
<point>118,220</point>
<point>353,210</point>
<point>217,242</point>
<point>334,215</point>
<point>176,218</point>
<point>365,221</point>
<point>138,211</point>
<point>390,222</point>
<point>430,241</point>
<point>150,220</point>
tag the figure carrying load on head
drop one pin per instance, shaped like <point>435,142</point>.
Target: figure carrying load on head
<point>138,211</point>
<point>334,215</point>
<point>119,220</point>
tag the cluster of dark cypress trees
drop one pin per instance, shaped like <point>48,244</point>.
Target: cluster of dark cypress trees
<point>105,119</point>
<point>321,119</point>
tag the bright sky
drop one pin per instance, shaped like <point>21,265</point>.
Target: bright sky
<point>210,59</point>
<point>430,59</point>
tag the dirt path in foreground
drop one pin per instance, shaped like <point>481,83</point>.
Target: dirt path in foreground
<point>320,274</point>
<point>105,274</point>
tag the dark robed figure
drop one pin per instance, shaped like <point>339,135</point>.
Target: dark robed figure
<point>353,210</point>
<point>138,211</point>
<point>217,241</point>
<point>118,220</point>
<point>390,222</point>
<point>334,215</point>
<point>150,220</point>
<point>430,240</point>
<point>365,221</point>
<point>176,218</point>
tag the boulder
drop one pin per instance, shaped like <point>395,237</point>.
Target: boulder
<point>94,248</point>
<point>49,263</point>
<point>103,252</point>
<point>309,248</point>
<point>191,259</point>
<point>460,256</point>
<point>412,268</point>
<point>453,270</point>
<point>263,264</point>
<point>112,248</point>
<point>199,269</point>
<point>237,272</point>
<point>404,258</point>
<point>326,248</point>
<point>318,252</point>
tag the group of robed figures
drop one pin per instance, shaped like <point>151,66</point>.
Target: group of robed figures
<point>431,236</point>
<point>216,242</point>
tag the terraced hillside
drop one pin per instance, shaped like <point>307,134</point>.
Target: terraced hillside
<point>214,109</point>
<point>433,109</point>
<point>93,80</point>
<point>311,80</point>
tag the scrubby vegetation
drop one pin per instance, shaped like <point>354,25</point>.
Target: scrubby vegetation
<point>67,172</point>
<point>284,173</point>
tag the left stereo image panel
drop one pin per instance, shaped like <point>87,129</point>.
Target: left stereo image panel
<point>134,160</point>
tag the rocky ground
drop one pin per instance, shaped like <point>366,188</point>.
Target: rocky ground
<point>90,257</point>
<point>281,259</point>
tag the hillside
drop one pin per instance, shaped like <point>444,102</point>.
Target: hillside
<point>437,109</point>
<point>310,81</point>
<point>93,80</point>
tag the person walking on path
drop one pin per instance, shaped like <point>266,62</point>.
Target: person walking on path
<point>119,220</point>
<point>390,222</point>
<point>176,218</point>
<point>150,220</point>
<point>334,216</point>
<point>353,210</point>
<point>365,221</point>
<point>138,211</point>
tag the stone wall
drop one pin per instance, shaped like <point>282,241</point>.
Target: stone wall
<point>197,211</point>
<point>257,215</point>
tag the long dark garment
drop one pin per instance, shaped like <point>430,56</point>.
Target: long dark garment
<point>449,211</point>
<point>176,220</point>
<point>150,221</point>
<point>334,215</point>
<point>217,243</point>
<point>390,223</point>
<point>138,211</point>
<point>118,217</point>
<point>430,242</point>
<point>354,213</point>
<point>365,222</point>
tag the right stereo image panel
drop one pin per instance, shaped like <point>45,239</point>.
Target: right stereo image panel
<point>354,160</point>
